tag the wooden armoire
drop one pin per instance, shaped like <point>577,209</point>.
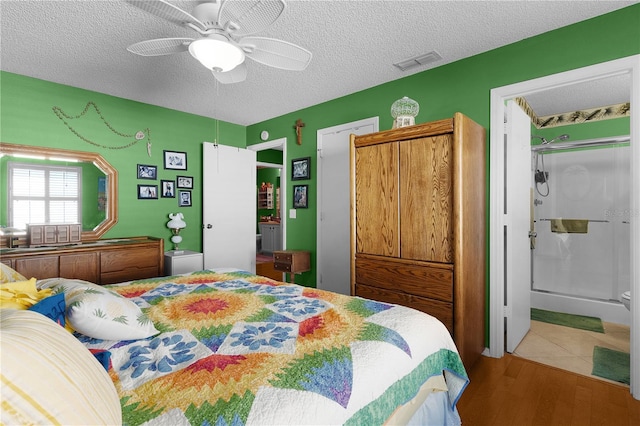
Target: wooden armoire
<point>418,223</point>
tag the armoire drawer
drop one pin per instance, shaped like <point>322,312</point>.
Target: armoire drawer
<point>437,308</point>
<point>417,278</point>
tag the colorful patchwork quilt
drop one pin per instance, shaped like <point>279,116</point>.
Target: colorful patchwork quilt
<point>236,348</point>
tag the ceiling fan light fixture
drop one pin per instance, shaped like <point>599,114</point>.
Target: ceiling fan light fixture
<point>216,54</point>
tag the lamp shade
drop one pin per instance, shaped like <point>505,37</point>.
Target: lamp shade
<point>216,53</point>
<point>177,221</point>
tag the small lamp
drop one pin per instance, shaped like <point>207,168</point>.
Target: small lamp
<point>404,112</point>
<point>176,224</point>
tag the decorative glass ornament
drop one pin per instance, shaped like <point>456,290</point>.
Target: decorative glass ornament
<point>404,112</point>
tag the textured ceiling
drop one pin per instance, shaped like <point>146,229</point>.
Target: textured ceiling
<point>354,46</point>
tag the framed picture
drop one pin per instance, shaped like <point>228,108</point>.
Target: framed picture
<point>146,171</point>
<point>185,182</point>
<point>147,192</point>
<point>184,199</point>
<point>301,168</point>
<point>175,160</point>
<point>168,189</point>
<point>300,196</point>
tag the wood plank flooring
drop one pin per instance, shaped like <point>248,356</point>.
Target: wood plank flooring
<point>513,391</point>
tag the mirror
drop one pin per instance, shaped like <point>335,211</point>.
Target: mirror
<point>111,174</point>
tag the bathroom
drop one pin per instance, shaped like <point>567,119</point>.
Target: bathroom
<point>580,253</point>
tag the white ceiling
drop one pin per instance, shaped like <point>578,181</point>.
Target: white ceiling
<point>354,46</point>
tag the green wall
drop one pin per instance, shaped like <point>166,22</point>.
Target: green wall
<point>27,117</point>
<point>462,86</point>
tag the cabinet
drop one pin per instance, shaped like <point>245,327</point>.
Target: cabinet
<point>271,237</point>
<point>100,262</point>
<point>418,223</point>
<point>182,262</point>
<point>265,198</point>
<point>292,261</point>
<point>49,234</point>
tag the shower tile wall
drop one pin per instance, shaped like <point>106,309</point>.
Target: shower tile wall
<point>584,184</point>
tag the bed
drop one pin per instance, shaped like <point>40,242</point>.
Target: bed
<point>225,346</point>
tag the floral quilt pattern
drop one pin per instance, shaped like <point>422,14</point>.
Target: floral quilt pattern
<point>229,343</point>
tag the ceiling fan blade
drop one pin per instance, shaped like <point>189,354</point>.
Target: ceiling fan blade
<point>167,11</point>
<point>236,75</point>
<point>160,46</point>
<point>276,53</point>
<point>240,17</point>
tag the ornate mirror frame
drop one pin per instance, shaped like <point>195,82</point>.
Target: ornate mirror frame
<point>90,157</point>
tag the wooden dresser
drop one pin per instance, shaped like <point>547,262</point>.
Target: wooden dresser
<point>418,208</point>
<point>102,262</point>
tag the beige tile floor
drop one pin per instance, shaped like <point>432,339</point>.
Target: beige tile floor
<point>569,348</point>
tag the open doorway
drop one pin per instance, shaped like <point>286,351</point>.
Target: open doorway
<point>499,202</point>
<point>275,227</point>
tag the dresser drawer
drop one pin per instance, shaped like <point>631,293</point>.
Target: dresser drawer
<point>433,281</point>
<point>284,267</point>
<point>437,308</point>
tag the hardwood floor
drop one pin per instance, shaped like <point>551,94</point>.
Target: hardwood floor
<point>513,391</point>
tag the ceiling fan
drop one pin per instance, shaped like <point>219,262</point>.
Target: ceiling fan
<point>226,29</point>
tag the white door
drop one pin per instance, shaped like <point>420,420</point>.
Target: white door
<point>518,219</point>
<point>229,207</point>
<point>333,227</point>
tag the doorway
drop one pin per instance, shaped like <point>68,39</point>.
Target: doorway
<point>266,268</point>
<point>333,201</point>
<point>500,220</point>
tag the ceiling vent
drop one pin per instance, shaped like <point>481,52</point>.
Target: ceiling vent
<point>419,60</point>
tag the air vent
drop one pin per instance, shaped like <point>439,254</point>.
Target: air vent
<point>418,60</point>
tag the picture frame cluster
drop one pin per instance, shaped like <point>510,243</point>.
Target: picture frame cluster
<point>301,170</point>
<point>179,188</point>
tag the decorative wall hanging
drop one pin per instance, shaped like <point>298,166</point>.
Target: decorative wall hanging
<point>138,136</point>
<point>175,160</point>
<point>300,168</point>
<point>184,199</point>
<point>299,125</point>
<point>185,182</point>
<point>168,189</point>
<point>300,196</point>
<point>146,171</point>
<point>147,192</point>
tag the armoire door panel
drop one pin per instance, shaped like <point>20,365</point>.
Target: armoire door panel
<point>426,198</point>
<point>409,277</point>
<point>376,188</point>
<point>441,310</point>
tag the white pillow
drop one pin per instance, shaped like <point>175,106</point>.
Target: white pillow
<point>49,377</point>
<point>99,312</point>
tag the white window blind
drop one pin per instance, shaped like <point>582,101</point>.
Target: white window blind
<point>44,194</point>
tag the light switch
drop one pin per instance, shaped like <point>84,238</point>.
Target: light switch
<point>292,214</point>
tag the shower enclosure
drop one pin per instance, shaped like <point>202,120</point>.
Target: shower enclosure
<point>581,238</point>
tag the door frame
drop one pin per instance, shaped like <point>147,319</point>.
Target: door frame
<point>629,65</point>
<point>280,144</point>
<point>375,122</point>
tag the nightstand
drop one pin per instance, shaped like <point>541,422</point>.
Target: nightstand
<point>292,261</point>
<point>182,262</point>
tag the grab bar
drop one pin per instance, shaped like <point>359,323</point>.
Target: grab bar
<point>594,220</point>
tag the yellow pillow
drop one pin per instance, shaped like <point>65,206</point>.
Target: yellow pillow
<point>7,274</point>
<point>21,294</point>
<point>49,377</point>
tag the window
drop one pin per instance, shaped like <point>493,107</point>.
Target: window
<point>44,194</point>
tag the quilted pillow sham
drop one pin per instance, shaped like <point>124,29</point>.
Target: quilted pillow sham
<point>49,377</point>
<point>100,313</point>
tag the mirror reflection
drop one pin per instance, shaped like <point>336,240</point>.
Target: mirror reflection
<point>84,184</point>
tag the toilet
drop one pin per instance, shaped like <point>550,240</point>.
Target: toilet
<point>626,299</point>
